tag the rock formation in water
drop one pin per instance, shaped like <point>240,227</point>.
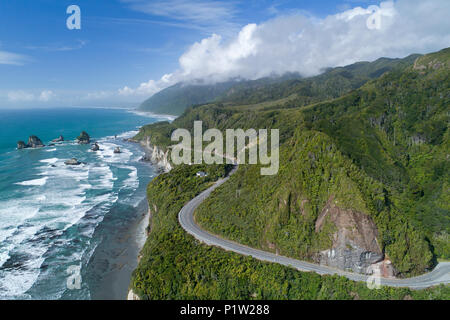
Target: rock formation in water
<point>59,139</point>
<point>83,138</point>
<point>95,147</point>
<point>72,162</point>
<point>117,150</point>
<point>33,142</point>
<point>21,145</point>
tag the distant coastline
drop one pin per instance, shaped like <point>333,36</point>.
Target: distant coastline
<point>168,117</point>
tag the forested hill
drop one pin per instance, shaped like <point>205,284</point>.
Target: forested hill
<point>331,84</point>
<point>175,99</point>
<point>379,151</point>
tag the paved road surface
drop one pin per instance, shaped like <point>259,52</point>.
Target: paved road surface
<point>441,274</point>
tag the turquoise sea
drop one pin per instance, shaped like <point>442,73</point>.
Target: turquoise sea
<point>54,217</point>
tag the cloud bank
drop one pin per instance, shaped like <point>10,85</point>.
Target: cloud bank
<point>24,96</point>
<point>306,44</point>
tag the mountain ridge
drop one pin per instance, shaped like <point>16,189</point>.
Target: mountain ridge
<point>176,98</point>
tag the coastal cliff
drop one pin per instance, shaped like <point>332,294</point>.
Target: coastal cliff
<point>154,154</point>
<point>157,155</point>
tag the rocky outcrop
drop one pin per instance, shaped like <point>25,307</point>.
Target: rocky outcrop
<point>21,145</point>
<point>132,296</point>
<point>59,139</point>
<point>34,142</point>
<point>354,242</point>
<point>117,150</point>
<point>72,162</point>
<point>95,147</point>
<point>156,155</point>
<point>83,138</point>
<point>383,268</point>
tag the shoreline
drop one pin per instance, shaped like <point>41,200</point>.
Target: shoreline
<point>120,257</point>
<point>114,260</point>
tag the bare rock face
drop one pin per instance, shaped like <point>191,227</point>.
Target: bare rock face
<point>132,296</point>
<point>156,155</point>
<point>383,268</point>
<point>34,142</point>
<point>59,139</point>
<point>21,145</point>
<point>83,138</point>
<point>95,147</point>
<point>355,245</point>
<point>72,162</point>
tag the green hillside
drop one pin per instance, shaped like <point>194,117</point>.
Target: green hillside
<point>381,150</point>
<point>331,84</point>
<point>175,99</point>
<point>174,265</point>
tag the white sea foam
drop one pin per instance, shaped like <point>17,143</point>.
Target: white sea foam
<point>123,135</point>
<point>34,182</point>
<point>160,117</point>
<point>49,161</point>
<point>73,196</point>
<point>132,181</point>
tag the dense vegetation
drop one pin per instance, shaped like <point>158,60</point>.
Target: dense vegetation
<point>175,99</point>
<point>176,266</point>
<point>295,90</point>
<point>381,149</point>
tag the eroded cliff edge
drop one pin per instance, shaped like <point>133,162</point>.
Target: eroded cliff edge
<point>354,242</point>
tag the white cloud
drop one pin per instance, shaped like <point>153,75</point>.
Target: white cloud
<point>306,44</point>
<point>97,95</point>
<point>80,44</point>
<point>209,15</point>
<point>12,58</point>
<point>46,95</point>
<point>24,96</point>
<point>302,44</point>
<point>150,87</point>
<point>20,95</point>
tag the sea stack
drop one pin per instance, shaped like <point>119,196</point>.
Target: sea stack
<point>34,142</point>
<point>72,162</point>
<point>21,145</point>
<point>95,147</point>
<point>83,138</point>
<point>117,150</point>
<point>59,139</point>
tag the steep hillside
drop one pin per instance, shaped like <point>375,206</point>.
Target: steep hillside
<point>331,84</point>
<point>175,99</point>
<point>174,265</point>
<point>374,161</point>
<point>297,91</point>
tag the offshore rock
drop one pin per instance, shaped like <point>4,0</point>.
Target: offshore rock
<point>95,147</point>
<point>59,139</point>
<point>34,142</point>
<point>83,138</point>
<point>117,150</point>
<point>72,162</point>
<point>21,145</point>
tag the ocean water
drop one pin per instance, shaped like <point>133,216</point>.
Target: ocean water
<point>52,215</point>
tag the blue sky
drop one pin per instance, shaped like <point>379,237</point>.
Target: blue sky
<point>124,43</point>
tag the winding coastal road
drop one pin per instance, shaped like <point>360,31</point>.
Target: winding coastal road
<point>440,275</point>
